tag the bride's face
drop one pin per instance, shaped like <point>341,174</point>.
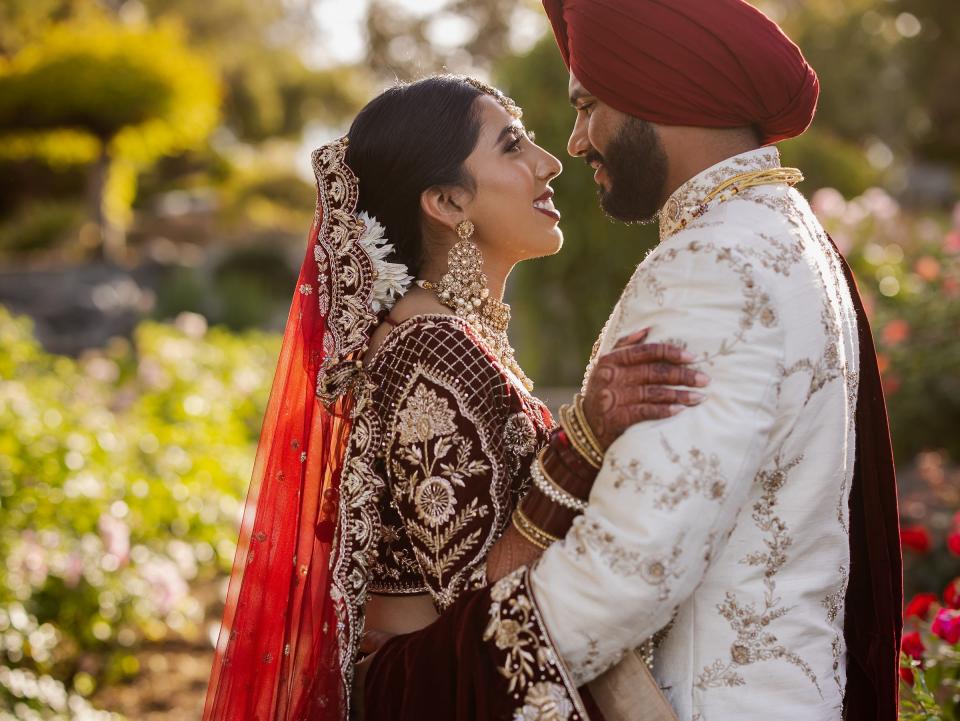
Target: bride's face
<point>511,206</point>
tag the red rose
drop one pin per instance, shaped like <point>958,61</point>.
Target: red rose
<point>912,645</point>
<point>946,625</point>
<point>916,538</point>
<point>906,674</point>
<point>951,595</point>
<point>919,606</point>
<point>953,543</point>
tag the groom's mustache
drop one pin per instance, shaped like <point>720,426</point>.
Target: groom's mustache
<point>593,157</point>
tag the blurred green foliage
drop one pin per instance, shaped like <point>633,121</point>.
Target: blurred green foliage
<point>138,93</point>
<point>121,476</point>
<point>908,270</point>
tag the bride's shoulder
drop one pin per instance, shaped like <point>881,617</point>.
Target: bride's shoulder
<point>438,346</point>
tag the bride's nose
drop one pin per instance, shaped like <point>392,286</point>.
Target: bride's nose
<point>549,167</point>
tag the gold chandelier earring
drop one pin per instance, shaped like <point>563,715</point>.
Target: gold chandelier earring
<point>463,289</point>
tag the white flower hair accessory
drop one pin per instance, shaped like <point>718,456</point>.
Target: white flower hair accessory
<point>391,280</point>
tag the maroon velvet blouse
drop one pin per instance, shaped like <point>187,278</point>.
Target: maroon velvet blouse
<point>455,435</point>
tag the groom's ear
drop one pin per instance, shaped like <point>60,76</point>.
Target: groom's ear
<point>444,205</point>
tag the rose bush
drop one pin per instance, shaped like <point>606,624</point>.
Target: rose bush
<point>121,480</point>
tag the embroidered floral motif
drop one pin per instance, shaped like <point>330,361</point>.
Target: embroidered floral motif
<point>835,601</point>
<point>545,701</point>
<point>519,435</point>
<point>658,570</point>
<point>697,473</point>
<point>757,308</point>
<point>534,674</point>
<point>434,501</point>
<point>456,445</point>
<point>425,417</point>
<point>755,639</point>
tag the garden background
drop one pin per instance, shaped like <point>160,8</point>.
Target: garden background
<point>154,200</point>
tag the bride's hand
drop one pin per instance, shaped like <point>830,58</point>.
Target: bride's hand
<point>632,383</point>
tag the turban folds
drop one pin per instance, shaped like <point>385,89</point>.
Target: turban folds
<point>701,63</point>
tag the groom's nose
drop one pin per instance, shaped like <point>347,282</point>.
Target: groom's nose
<point>579,143</point>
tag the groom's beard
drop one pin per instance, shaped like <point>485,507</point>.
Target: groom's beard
<point>636,166</point>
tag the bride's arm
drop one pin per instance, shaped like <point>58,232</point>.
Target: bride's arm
<point>446,452</point>
<point>628,386</point>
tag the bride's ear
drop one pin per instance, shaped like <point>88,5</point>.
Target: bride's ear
<point>443,205</point>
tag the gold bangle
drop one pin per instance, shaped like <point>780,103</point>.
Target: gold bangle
<point>531,531</point>
<point>530,539</point>
<point>578,439</point>
<point>585,426</point>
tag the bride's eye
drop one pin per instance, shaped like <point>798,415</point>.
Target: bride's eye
<point>515,143</point>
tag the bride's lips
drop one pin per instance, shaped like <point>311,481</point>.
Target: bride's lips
<point>545,205</point>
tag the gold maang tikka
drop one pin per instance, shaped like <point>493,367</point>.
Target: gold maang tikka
<point>463,289</point>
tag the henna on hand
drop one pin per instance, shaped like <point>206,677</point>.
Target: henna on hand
<point>630,384</point>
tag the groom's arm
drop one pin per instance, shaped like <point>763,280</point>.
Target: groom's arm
<point>669,492</point>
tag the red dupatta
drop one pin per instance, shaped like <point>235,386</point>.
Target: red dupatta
<point>278,656</point>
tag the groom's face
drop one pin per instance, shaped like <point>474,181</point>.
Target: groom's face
<point>626,153</point>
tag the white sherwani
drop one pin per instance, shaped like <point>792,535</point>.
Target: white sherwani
<point>726,525</point>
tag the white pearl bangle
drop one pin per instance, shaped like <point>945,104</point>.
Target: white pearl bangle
<point>548,487</point>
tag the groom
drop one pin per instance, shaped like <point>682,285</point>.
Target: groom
<point>753,538</point>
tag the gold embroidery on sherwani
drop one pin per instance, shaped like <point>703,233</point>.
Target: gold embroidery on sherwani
<point>697,473</point>
<point>767,239</point>
<point>756,640</point>
<point>833,603</point>
<point>757,305</point>
<point>656,569</point>
<point>535,676</point>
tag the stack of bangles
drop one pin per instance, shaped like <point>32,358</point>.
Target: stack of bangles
<point>574,422</point>
<point>562,474</point>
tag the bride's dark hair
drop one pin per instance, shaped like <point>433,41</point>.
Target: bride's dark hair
<point>412,137</point>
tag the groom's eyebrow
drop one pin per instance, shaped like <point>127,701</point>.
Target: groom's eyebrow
<point>576,96</point>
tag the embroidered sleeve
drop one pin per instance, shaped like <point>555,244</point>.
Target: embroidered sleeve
<point>453,437</point>
<point>669,492</point>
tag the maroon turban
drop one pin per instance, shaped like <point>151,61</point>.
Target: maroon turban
<point>701,63</point>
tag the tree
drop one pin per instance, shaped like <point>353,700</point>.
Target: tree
<point>139,94</point>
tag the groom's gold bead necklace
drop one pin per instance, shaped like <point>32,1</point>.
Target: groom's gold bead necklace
<point>738,183</point>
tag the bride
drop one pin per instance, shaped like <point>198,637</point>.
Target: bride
<point>401,432</point>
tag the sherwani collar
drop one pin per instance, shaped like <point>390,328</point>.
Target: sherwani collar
<point>688,202</point>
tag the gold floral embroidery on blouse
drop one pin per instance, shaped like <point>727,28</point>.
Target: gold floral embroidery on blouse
<point>535,676</point>
<point>458,437</point>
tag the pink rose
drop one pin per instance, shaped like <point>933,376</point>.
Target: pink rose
<point>946,625</point>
